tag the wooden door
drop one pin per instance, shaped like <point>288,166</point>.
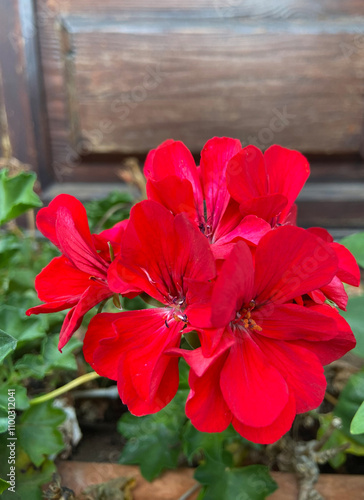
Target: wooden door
<point>106,80</point>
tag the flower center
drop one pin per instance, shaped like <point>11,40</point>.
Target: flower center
<point>244,319</point>
<point>177,306</point>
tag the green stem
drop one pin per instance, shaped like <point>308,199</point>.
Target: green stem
<point>65,388</point>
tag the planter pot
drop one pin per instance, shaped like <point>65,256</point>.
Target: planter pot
<point>173,484</point>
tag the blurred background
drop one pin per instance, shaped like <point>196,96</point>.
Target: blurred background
<point>86,85</point>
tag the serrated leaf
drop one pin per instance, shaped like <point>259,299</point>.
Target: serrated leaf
<point>38,431</point>
<point>30,481</point>
<point>357,424</point>
<point>350,399</point>
<point>3,419</point>
<point>16,195</point>
<point>96,209</point>
<point>54,359</point>
<point>21,327</point>
<point>154,452</point>
<point>7,344</point>
<point>31,365</point>
<point>224,483</point>
<point>4,485</point>
<point>21,399</point>
<point>355,243</point>
<point>154,440</point>
<point>354,316</point>
<point>195,441</point>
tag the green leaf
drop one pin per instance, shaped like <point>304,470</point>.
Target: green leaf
<point>64,360</point>
<point>354,316</point>
<point>29,483</point>
<point>357,424</point>
<point>4,485</point>
<point>38,431</point>
<point>98,209</point>
<point>21,327</point>
<point>355,243</point>
<point>21,399</point>
<point>350,399</point>
<point>154,440</point>
<point>7,344</point>
<point>195,441</point>
<point>16,195</point>
<point>3,419</point>
<point>224,483</point>
<point>31,365</point>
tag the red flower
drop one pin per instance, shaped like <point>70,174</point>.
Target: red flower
<point>168,258</point>
<point>77,279</point>
<point>348,272</point>
<point>267,365</point>
<point>267,185</point>
<point>174,181</point>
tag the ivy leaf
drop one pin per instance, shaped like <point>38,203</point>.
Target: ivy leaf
<point>20,326</point>
<point>154,440</point>
<point>355,243</point>
<point>117,204</point>
<point>350,399</point>
<point>16,195</point>
<point>3,419</point>
<point>31,365</point>
<point>357,424</point>
<point>29,483</point>
<point>54,359</point>
<point>7,344</point>
<point>21,399</point>
<point>354,316</point>
<point>4,485</point>
<point>224,483</point>
<point>38,431</point>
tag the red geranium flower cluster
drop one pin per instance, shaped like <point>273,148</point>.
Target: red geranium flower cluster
<point>217,246</point>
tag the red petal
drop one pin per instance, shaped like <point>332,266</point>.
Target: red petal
<point>246,175</point>
<point>293,322</point>
<point>330,350</point>
<point>253,388</point>
<point>175,194</point>
<point>300,368</point>
<point>174,158</point>
<point>234,285</point>
<point>205,405</point>
<point>348,271</point>
<point>215,156</point>
<point>47,217</point>
<point>288,171</point>
<point>335,291</point>
<point>60,280</point>
<point>274,431</point>
<point>147,378</point>
<point>91,297</point>
<point>78,250</point>
<point>159,252</point>
<point>250,229</point>
<point>291,262</point>
<point>266,207</point>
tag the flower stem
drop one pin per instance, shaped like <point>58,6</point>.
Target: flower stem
<point>65,388</point>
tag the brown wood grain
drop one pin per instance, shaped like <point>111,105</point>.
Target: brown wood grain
<point>133,86</point>
<point>224,72</point>
<point>23,98</point>
<point>173,484</point>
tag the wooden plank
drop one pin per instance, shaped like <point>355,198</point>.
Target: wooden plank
<point>173,484</point>
<point>284,9</point>
<point>292,85</point>
<point>23,95</point>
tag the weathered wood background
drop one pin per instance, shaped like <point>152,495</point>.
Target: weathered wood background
<point>87,83</point>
